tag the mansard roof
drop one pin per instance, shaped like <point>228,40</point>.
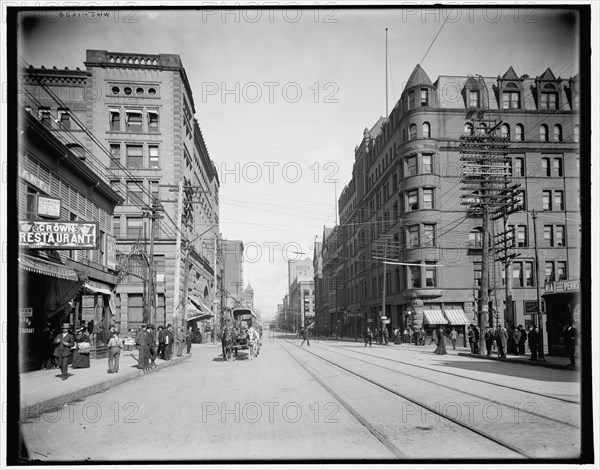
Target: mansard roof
<point>418,77</point>
<point>510,74</point>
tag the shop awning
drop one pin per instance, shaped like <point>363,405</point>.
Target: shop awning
<point>456,316</point>
<point>47,268</point>
<point>193,313</point>
<point>200,306</point>
<point>96,289</point>
<point>434,317</point>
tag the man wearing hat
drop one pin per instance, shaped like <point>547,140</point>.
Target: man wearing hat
<point>64,342</point>
<point>169,340</point>
<point>142,343</point>
<point>152,344</point>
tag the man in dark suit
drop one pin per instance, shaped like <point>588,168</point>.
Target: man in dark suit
<point>161,342</point>
<point>144,351</point>
<point>533,339</point>
<point>522,339</point>
<point>64,342</point>
<point>571,334</point>
<point>169,340</point>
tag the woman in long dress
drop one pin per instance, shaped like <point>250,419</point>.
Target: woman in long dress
<point>441,341</point>
<point>81,357</point>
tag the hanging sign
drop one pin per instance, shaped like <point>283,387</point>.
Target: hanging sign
<point>58,235</point>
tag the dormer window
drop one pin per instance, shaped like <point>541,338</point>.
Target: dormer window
<point>549,98</point>
<point>474,99</point>
<point>511,97</point>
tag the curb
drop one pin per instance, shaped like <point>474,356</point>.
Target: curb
<point>521,361</point>
<point>34,410</point>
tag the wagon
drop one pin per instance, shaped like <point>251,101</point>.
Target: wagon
<point>238,339</point>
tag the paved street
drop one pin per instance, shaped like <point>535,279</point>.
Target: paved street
<point>332,400</point>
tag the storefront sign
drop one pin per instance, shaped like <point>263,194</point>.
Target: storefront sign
<point>58,235</point>
<point>34,180</point>
<point>111,252</point>
<point>530,307</point>
<point>48,207</point>
<point>25,312</point>
<point>563,286</point>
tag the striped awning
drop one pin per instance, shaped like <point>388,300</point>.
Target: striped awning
<point>47,268</point>
<point>456,316</point>
<point>434,317</point>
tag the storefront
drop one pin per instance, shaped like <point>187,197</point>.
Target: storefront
<point>563,306</point>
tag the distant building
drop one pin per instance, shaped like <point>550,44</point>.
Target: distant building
<point>232,252</point>
<point>248,297</point>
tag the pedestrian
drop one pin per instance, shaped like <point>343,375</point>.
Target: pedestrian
<point>386,335</point>
<point>521,341</point>
<point>533,340</point>
<point>501,341</point>
<point>64,342</point>
<point>441,341</point>
<point>540,346</point>
<point>81,353</point>
<point>570,341</point>
<point>453,337</point>
<point>47,339</point>
<point>471,337</point>
<point>152,349</point>
<point>161,342</point>
<point>420,337</point>
<point>304,334</point>
<point>515,336</point>
<point>477,336</point>
<point>188,340</point>
<point>142,340</point>
<point>489,340</point>
<point>367,336</point>
<point>115,344</point>
<point>179,341</point>
<point>433,337</point>
<point>169,340</point>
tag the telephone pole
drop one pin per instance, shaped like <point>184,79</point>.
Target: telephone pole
<point>153,214</point>
<point>537,283</point>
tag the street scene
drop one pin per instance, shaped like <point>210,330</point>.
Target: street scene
<point>320,234</point>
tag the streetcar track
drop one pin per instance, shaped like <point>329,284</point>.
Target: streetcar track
<point>460,376</point>
<point>378,435</point>
<point>451,388</point>
<point>495,440</point>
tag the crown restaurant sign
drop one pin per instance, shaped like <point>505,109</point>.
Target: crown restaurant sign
<point>58,235</point>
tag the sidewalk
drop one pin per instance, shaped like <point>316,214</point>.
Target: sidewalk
<point>554,362</point>
<point>43,390</point>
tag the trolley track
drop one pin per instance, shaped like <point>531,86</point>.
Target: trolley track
<point>566,400</point>
<point>431,409</point>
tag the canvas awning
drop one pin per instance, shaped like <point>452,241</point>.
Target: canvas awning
<point>193,313</point>
<point>47,268</point>
<point>97,290</point>
<point>200,306</point>
<point>434,317</point>
<point>456,316</point>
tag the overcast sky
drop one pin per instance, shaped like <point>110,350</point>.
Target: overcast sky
<point>289,93</point>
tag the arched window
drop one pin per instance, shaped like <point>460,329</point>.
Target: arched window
<point>557,133</point>
<point>482,129</point>
<point>476,238</point>
<point>468,129</point>
<point>576,133</point>
<point>505,131</point>
<point>412,132</point>
<point>519,132</point>
<point>544,133</point>
<point>426,130</point>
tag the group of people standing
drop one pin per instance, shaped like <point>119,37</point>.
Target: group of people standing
<point>161,344</point>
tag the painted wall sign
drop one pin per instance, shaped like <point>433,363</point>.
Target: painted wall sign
<point>48,206</point>
<point>58,235</point>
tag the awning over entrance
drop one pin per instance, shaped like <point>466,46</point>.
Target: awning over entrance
<point>434,317</point>
<point>97,290</point>
<point>456,316</point>
<point>47,268</point>
<point>197,310</point>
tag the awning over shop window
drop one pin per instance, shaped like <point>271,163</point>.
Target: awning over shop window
<point>96,289</point>
<point>193,313</point>
<point>200,306</point>
<point>47,268</point>
<point>434,317</point>
<point>456,316</point>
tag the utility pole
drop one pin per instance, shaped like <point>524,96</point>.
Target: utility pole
<point>537,282</point>
<point>215,291</point>
<point>177,280</point>
<point>152,214</point>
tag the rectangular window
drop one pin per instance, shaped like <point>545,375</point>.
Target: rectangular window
<point>31,208</point>
<point>135,308</point>
<point>549,101</point>
<point>411,166</point>
<point>152,121</point>
<point>428,235</point>
<point>135,156</point>
<point>412,200</point>
<point>114,121</point>
<point>558,201</point>
<point>557,167</point>
<point>559,235</point>
<point>474,99</point>
<point>517,275</point>
<point>548,235</point>
<point>154,189</point>
<point>510,100</point>
<point>415,276</point>
<point>64,120</point>
<point>135,195</point>
<point>413,236</point>
<point>424,99</point>
<point>116,228</point>
<point>427,165</point>
<point>545,167</point>
<point>521,235</point>
<point>528,267</point>
<point>547,200</point>
<point>519,167</point>
<point>561,270</point>
<point>411,100</point>
<point>153,155</point>
<point>115,155</point>
<point>428,199</point>
<point>135,227</point>
<point>430,277</point>
<point>134,121</point>
<point>549,270</point>
<point>477,277</point>
<point>45,117</point>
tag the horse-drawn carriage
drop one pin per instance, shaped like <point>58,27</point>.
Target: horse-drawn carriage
<point>243,335</point>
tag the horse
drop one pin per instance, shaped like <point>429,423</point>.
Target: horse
<point>226,343</point>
